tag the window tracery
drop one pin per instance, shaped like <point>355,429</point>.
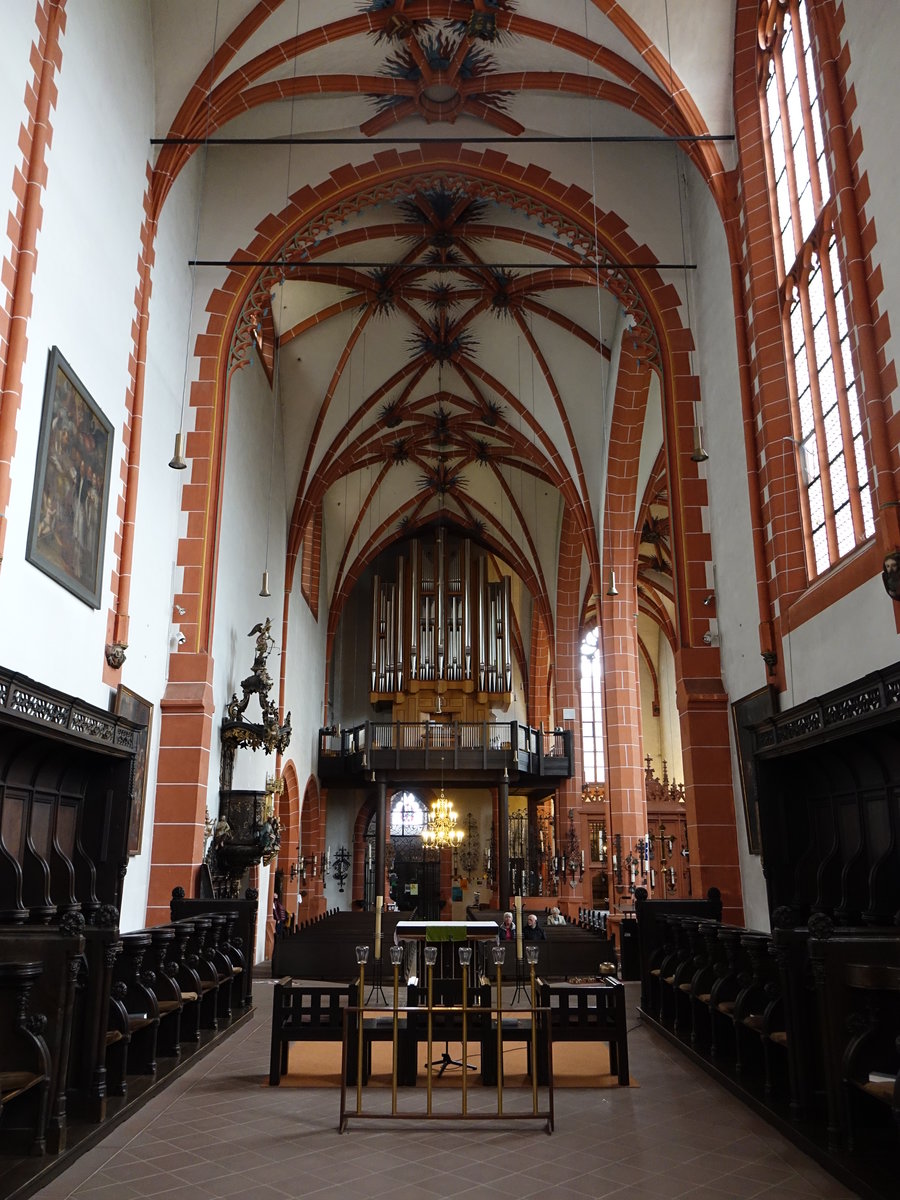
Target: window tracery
<point>825,401</point>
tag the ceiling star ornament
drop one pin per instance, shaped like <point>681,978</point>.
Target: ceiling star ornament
<point>399,452</point>
<point>442,831</point>
<point>441,296</point>
<point>502,299</point>
<point>492,413</point>
<point>443,208</point>
<point>482,450</point>
<point>439,63</point>
<point>395,24</point>
<point>390,414</point>
<point>440,343</point>
<point>441,426</point>
<point>483,22</point>
<point>442,479</point>
<point>382,295</point>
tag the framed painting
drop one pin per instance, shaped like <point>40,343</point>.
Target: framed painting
<point>746,713</point>
<point>129,704</point>
<point>67,531</point>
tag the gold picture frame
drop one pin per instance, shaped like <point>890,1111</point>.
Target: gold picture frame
<point>67,530</point>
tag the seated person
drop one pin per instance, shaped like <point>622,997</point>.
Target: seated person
<point>508,928</point>
<point>556,917</point>
<point>532,931</point>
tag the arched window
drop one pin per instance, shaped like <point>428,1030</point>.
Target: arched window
<point>592,709</point>
<point>408,815</point>
<point>825,409</point>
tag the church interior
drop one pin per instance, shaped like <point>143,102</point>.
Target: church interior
<point>449,468</point>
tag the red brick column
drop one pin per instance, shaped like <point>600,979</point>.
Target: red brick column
<point>539,673</point>
<point>181,790</point>
<point>712,838</point>
<point>568,663</point>
<point>621,665</point>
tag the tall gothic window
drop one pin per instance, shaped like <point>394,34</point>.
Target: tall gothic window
<point>837,508</point>
<point>592,709</point>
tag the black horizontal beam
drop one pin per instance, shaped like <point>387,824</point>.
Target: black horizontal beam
<point>525,139</point>
<point>426,267</point>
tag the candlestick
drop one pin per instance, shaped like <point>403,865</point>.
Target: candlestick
<point>518,907</point>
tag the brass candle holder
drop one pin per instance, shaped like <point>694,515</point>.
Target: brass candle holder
<point>396,953</point>
<point>362,957</point>
<point>498,954</point>
<point>465,957</point>
<point>430,960</point>
<point>532,953</point>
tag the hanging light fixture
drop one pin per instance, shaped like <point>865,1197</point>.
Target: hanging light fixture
<point>441,830</point>
<point>612,590</point>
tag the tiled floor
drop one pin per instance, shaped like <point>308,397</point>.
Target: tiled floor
<point>216,1132</point>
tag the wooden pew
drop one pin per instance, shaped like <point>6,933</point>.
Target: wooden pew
<point>857,981</point>
<point>327,948</point>
<point>52,993</point>
<point>204,971</point>
<point>169,999</point>
<point>652,930</point>
<point>306,1011</point>
<point>25,1060</point>
<point>139,999</point>
<point>591,1012</point>
<point>237,937</point>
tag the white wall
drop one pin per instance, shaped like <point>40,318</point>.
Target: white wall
<point>734,579</point>
<point>16,73</point>
<point>83,302</point>
<point>873,32</point>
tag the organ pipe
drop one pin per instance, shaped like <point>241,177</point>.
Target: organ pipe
<point>455,621</point>
<point>400,593</point>
<point>414,611</point>
<point>376,608</point>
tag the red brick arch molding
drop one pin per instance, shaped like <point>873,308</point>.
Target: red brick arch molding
<point>667,105</point>
<point>658,335</point>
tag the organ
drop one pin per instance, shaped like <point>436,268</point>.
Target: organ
<point>442,625</point>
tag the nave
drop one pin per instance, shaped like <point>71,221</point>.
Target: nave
<point>217,1131</point>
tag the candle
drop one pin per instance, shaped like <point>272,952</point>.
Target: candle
<point>582,860</point>
<point>518,904</point>
<point>652,878</point>
<point>379,904</point>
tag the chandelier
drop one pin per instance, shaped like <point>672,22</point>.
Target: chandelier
<point>440,831</point>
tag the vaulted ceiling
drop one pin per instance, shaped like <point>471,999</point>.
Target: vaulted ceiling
<point>451,240</point>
